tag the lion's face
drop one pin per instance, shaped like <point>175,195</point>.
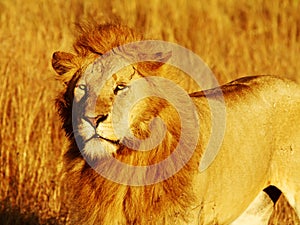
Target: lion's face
<point>96,114</point>
<point>114,106</point>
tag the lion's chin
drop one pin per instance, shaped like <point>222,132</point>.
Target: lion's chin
<point>99,148</point>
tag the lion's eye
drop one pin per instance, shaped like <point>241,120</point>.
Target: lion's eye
<point>120,87</point>
<point>81,87</point>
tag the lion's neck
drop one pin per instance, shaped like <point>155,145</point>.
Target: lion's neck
<point>166,202</point>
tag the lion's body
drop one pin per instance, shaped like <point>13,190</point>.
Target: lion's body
<point>261,147</point>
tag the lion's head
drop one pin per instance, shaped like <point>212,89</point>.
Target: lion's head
<point>113,112</point>
<point>106,79</point>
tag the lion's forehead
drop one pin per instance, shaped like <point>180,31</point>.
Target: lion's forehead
<point>106,65</point>
<point>104,76</point>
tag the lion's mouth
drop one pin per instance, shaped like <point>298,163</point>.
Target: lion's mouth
<point>115,142</point>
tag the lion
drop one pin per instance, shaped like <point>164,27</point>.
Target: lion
<point>260,147</point>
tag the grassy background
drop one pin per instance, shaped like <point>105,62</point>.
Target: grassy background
<point>234,38</point>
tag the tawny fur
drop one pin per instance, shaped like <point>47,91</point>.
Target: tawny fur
<point>188,197</point>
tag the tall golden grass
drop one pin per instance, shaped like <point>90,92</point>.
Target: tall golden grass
<point>234,38</point>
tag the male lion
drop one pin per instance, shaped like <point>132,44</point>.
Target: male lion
<point>261,145</point>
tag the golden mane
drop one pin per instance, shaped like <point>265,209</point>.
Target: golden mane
<point>103,200</point>
<point>99,39</point>
<point>98,198</point>
<point>92,41</point>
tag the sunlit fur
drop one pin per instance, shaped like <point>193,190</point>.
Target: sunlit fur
<point>261,147</point>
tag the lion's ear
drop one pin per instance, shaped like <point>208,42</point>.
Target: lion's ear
<point>62,62</point>
<point>160,57</point>
<point>153,61</point>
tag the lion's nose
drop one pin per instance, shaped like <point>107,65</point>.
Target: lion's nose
<point>96,120</point>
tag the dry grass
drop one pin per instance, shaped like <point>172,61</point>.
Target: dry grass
<point>234,38</point>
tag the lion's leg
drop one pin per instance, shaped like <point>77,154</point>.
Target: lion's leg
<point>258,212</point>
<point>297,203</point>
<point>290,187</point>
<point>293,197</point>
<point>287,174</point>
<point>285,168</point>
